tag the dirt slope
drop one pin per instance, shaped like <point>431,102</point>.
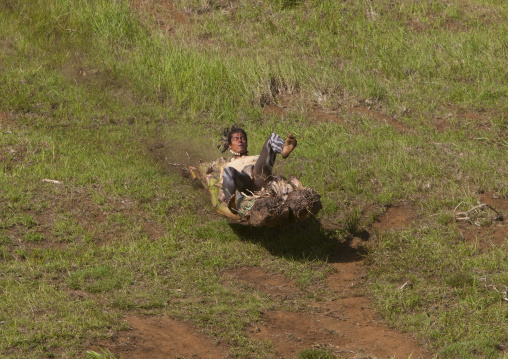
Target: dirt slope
<point>348,326</point>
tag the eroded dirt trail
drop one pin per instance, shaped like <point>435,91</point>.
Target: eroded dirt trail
<point>345,324</point>
<point>162,337</point>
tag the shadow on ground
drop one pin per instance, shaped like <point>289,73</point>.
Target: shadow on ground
<point>307,240</point>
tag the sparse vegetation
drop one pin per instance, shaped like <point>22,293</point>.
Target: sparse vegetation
<point>102,102</point>
<point>315,354</point>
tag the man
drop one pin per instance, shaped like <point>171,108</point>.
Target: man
<point>249,173</point>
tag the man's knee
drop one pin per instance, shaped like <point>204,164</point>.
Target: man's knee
<point>232,176</point>
<point>229,172</point>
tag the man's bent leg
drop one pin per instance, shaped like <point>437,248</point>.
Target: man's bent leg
<point>274,144</point>
<point>233,181</point>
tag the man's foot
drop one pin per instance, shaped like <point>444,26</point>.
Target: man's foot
<point>289,146</point>
<point>232,204</point>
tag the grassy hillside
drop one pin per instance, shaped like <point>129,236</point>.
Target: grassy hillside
<point>393,103</point>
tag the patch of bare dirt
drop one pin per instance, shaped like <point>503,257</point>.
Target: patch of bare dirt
<point>441,124</point>
<point>349,330</point>
<point>347,325</point>
<point>324,116</point>
<point>380,117</point>
<point>491,234</point>
<point>274,110</point>
<point>486,237</point>
<point>317,114</point>
<point>497,202</point>
<point>162,9</point>
<point>163,12</point>
<point>283,105</point>
<point>275,285</point>
<point>458,117</point>
<point>395,217</point>
<point>416,25</point>
<point>281,101</point>
<point>161,338</point>
<point>6,121</point>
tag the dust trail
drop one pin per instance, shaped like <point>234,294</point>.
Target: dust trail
<point>178,153</point>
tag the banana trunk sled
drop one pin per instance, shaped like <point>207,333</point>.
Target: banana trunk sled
<point>277,203</point>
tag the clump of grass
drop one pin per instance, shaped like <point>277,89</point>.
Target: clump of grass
<point>104,354</point>
<point>435,267</point>
<point>460,280</point>
<point>34,237</point>
<point>97,279</point>
<point>315,354</point>
<point>352,222</point>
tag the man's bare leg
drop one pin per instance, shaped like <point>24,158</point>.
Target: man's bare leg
<point>233,181</point>
<point>262,171</point>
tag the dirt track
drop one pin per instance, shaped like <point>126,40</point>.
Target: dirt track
<point>346,325</point>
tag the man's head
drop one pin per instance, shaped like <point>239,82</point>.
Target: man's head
<point>237,140</point>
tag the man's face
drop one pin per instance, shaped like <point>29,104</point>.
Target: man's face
<point>238,143</point>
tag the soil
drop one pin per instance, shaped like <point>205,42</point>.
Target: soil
<point>5,121</point>
<point>162,337</point>
<point>491,234</point>
<point>346,325</point>
<point>395,217</point>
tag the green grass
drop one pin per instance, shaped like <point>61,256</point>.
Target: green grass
<point>95,96</point>
<point>315,354</point>
<point>450,284</point>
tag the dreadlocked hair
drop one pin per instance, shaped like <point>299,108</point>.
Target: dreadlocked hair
<point>225,139</point>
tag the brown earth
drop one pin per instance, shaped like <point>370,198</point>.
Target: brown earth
<point>160,338</point>
<point>5,121</point>
<point>493,233</point>
<point>346,324</point>
<point>395,217</point>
